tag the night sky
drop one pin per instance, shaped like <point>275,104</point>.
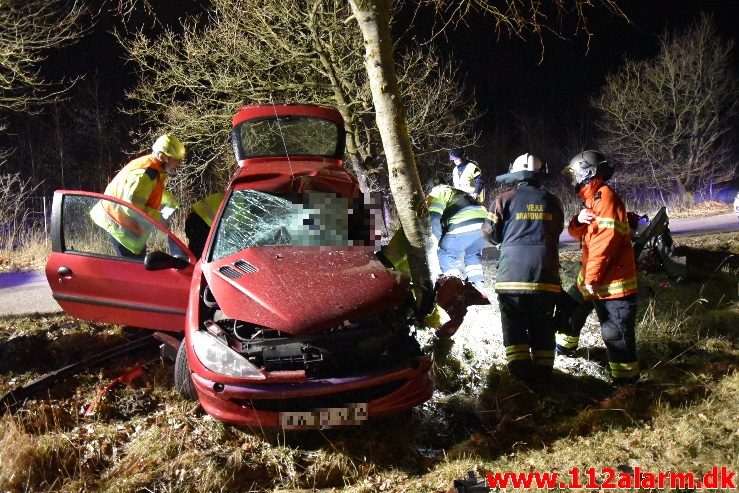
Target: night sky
<point>508,75</point>
<point>570,71</point>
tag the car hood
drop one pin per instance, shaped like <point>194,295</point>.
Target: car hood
<point>299,290</point>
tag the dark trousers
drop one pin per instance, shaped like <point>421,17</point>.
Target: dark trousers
<point>528,332</point>
<point>571,314</point>
<point>121,250</point>
<point>196,231</point>
<point>617,326</point>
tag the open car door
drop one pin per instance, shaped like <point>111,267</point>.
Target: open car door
<point>90,281</point>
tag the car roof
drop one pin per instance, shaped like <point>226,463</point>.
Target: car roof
<point>257,111</point>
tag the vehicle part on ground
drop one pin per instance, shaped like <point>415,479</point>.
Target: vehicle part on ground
<point>654,248</point>
<point>126,378</point>
<point>17,396</point>
<point>471,484</point>
<point>454,296</point>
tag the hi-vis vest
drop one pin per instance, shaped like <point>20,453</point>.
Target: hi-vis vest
<point>464,176</point>
<point>141,183</point>
<point>452,211</point>
<point>207,208</point>
<point>527,222</point>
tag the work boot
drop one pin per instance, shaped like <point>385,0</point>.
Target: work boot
<point>522,371</point>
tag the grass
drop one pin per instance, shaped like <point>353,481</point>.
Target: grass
<point>29,253</point>
<point>144,437</point>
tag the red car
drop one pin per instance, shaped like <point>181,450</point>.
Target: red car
<point>290,319</point>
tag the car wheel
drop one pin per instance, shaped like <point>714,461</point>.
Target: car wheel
<point>182,379</point>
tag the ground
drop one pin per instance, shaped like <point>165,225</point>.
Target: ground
<point>144,437</point>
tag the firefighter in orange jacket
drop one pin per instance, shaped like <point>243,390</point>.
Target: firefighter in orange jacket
<point>141,183</point>
<point>608,273</point>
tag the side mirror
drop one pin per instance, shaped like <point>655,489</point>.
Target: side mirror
<point>160,261</point>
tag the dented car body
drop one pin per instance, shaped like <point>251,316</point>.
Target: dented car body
<point>290,319</point>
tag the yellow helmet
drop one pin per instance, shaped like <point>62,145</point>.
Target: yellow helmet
<point>170,146</point>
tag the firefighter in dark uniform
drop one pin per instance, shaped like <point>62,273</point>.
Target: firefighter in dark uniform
<point>526,223</point>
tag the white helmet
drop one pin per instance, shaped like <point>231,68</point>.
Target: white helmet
<point>586,165</point>
<point>528,162</point>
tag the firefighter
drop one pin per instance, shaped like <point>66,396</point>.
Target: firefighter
<point>199,221</point>
<point>526,222</point>
<point>141,183</point>
<point>466,174</point>
<point>573,311</point>
<point>608,273</point>
<point>456,220</point>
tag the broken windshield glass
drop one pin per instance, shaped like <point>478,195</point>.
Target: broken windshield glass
<point>288,136</point>
<point>252,218</point>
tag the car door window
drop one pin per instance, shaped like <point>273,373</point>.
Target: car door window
<point>90,225</point>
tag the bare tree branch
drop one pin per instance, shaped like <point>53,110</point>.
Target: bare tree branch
<point>28,28</point>
<point>273,51</point>
<point>669,120</point>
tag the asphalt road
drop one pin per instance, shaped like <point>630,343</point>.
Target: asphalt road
<point>25,293</point>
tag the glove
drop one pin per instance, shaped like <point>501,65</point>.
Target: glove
<point>585,216</point>
<point>167,212</point>
<point>590,289</point>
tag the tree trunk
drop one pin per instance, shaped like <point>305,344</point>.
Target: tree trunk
<point>373,17</point>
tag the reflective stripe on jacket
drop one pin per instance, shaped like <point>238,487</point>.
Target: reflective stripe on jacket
<point>452,211</point>
<point>207,208</point>
<point>467,177</point>
<point>607,253</point>
<point>527,222</point>
<point>141,183</point>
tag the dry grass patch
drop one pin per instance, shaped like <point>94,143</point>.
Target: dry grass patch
<point>686,438</point>
<point>32,463</point>
<point>30,253</point>
<point>702,209</point>
<point>144,437</point>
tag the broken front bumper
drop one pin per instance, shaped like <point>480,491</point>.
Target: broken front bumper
<point>260,403</point>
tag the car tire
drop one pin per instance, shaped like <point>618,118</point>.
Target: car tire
<point>182,379</point>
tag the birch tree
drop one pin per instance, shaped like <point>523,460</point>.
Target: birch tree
<point>373,17</point>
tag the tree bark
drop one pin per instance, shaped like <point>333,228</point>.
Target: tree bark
<point>373,17</point>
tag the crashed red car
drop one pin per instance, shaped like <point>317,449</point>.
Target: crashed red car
<point>290,319</point>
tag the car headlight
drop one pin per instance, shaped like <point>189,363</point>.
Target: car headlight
<point>218,357</point>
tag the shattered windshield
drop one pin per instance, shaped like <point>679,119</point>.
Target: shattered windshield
<point>252,218</point>
<point>288,136</point>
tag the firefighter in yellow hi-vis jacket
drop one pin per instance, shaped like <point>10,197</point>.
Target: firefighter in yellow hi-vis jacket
<point>466,175</point>
<point>141,183</point>
<point>456,220</point>
<point>199,221</point>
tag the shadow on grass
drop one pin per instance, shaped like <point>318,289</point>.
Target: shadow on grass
<point>40,353</point>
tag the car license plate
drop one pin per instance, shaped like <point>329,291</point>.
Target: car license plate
<point>352,414</point>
